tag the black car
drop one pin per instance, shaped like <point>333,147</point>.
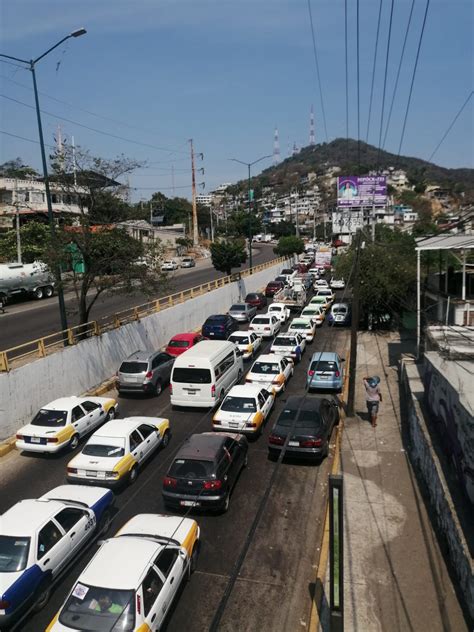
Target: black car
<point>219,327</point>
<point>313,419</point>
<point>204,471</point>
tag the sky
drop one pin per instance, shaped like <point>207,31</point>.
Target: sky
<point>225,73</point>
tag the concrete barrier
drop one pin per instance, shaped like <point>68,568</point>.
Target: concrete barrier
<point>79,368</point>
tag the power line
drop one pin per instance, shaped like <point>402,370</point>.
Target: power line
<point>347,81</point>
<point>413,76</point>
<point>373,67</point>
<point>398,72</point>
<point>29,140</point>
<point>358,89</point>
<point>385,81</point>
<point>92,129</point>
<point>451,125</point>
<point>317,68</point>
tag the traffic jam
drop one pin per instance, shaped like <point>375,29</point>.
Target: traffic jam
<point>238,367</point>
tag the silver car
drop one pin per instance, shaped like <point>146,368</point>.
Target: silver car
<point>188,262</point>
<point>145,372</point>
<point>243,312</point>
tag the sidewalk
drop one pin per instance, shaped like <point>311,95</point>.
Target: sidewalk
<point>394,572</point>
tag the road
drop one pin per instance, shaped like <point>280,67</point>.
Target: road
<point>26,320</point>
<point>274,588</point>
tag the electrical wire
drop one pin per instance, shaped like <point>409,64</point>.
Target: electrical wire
<point>315,52</point>
<point>398,72</point>
<point>347,79</point>
<point>358,86</point>
<point>373,69</point>
<point>413,77</point>
<point>451,125</point>
<point>385,82</point>
<point>29,140</point>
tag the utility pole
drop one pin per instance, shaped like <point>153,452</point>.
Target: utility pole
<point>195,220</point>
<point>354,327</point>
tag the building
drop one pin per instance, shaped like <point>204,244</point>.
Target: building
<point>206,199</point>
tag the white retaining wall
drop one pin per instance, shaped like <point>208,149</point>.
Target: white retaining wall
<point>77,369</point>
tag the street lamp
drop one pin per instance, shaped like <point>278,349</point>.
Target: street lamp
<point>31,65</point>
<point>250,164</point>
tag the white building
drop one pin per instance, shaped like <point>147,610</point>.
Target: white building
<point>206,199</point>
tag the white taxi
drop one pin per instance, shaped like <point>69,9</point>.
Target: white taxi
<point>321,301</point>
<point>280,310</point>
<point>320,284</point>
<point>247,342</point>
<point>289,345</point>
<point>114,453</point>
<point>315,313</point>
<point>39,538</point>
<point>63,422</point>
<point>271,370</point>
<point>327,293</point>
<point>266,325</point>
<point>245,409</point>
<point>131,582</point>
<point>303,326</point>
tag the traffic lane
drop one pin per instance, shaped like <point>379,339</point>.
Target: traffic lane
<point>41,318</point>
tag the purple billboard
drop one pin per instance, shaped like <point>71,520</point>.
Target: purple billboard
<point>361,190</point>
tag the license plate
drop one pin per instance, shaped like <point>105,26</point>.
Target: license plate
<point>211,333</point>
<point>189,503</point>
<point>233,424</point>
<point>91,474</point>
<point>294,444</point>
<point>322,377</point>
<point>35,440</point>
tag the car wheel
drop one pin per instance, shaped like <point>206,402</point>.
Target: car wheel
<point>225,508</point>
<point>110,414</point>
<point>104,522</point>
<point>246,460</point>
<point>38,293</point>
<point>158,388</point>
<point>132,477</point>
<point>239,375</point>
<point>42,595</point>
<point>166,438</point>
<point>74,442</point>
<point>48,291</point>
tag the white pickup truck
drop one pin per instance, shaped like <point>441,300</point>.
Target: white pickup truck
<point>25,278</point>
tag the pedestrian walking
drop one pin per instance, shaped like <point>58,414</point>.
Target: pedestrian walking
<point>373,397</point>
<point>3,302</point>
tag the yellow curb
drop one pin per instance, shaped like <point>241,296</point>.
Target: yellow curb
<point>103,388</point>
<point>7,446</point>
<point>314,619</point>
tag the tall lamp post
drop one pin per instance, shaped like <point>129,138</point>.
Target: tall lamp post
<point>249,165</point>
<point>31,66</point>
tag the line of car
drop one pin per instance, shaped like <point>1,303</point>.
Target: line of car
<point>160,550</point>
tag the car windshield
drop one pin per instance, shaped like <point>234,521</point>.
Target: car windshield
<point>237,308</point>
<point>300,326</point>
<point>275,308</point>
<point>310,312</point>
<point>323,365</point>
<point>13,553</point>
<point>178,344</point>
<point>339,310</point>
<point>260,321</point>
<point>306,418</point>
<point>215,319</point>
<point>318,299</point>
<point>233,404</point>
<point>191,468</point>
<point>265,367</point>
<point>239,340</point>
<point>192,376</point>
<point>99,609</point>
<point>104,447</point>
<point>251,297</point>
<point>50,418</point>
<point>281,341</point>
<point>133,367</point>
<point>279,280</point>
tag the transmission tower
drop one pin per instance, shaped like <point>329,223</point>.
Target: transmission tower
<point>276,147</point>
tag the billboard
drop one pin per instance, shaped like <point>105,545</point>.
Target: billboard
<point>361,191</point>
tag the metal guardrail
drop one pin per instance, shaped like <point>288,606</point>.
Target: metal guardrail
<point>52,343</point>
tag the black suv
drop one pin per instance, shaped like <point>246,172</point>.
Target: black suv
<point>204,471</point>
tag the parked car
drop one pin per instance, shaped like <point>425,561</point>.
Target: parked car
<point>40,538</point>
<point>62,423</point>
<point>132,581</point>
<point>247,342</point>
<point>311,421</point>
<point>244,409</point>
<point>188,262</point>
<point>114,453</point>
<point>257,299</point>
<point>315,313</point>
<point>182,342</point>
<point>243,312</point>
<point>219,327</point>
<point>273,287</point>
<point>280,310</point>
<point>289,345</point>
<point>145,372</point>
<point>204,471</point>
<point>304,327</point>
<point>169,265</point>
<point>337,284</point>
<point>266,325</point>
<point>340,314</point>
<point>325,371</point>
<point>272,371</point>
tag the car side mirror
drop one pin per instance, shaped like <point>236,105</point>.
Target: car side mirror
<point>343,359</point>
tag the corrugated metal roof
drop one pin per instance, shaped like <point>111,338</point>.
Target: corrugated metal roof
<point>446,242</point>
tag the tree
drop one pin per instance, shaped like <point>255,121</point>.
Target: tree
<point>238,224</point>
<point>228,254</point>
<point>288,246</point>
<point>34,239</point>
<point>282,229</point>
<point>17,169</point>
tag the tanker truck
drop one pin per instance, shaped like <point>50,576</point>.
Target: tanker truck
<point>33,279</point>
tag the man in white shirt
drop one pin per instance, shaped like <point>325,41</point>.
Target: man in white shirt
<point>373,397</point>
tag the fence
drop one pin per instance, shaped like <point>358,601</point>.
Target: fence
<point>39,348</point>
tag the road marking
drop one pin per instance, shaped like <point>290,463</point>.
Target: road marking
<point>248,580</point>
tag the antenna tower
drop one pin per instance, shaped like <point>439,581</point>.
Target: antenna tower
<point>276,147</point>
<point>311,127</point>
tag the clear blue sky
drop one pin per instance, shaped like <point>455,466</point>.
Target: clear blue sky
<point>225,73</point>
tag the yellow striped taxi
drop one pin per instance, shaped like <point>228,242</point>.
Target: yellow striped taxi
<point>131,582</point>
<point>114,453</point>
<point>271,371</point>
<point>244,409</point>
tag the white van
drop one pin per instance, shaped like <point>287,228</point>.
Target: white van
<point>202,375</point>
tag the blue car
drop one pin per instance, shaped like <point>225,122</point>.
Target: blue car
<point>219,327</point>
<point>340,314</point>
<point>325,372</point>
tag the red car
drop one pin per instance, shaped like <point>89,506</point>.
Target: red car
<point>182,342</point>
<point>256,299</point>
<point>273,287</point>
